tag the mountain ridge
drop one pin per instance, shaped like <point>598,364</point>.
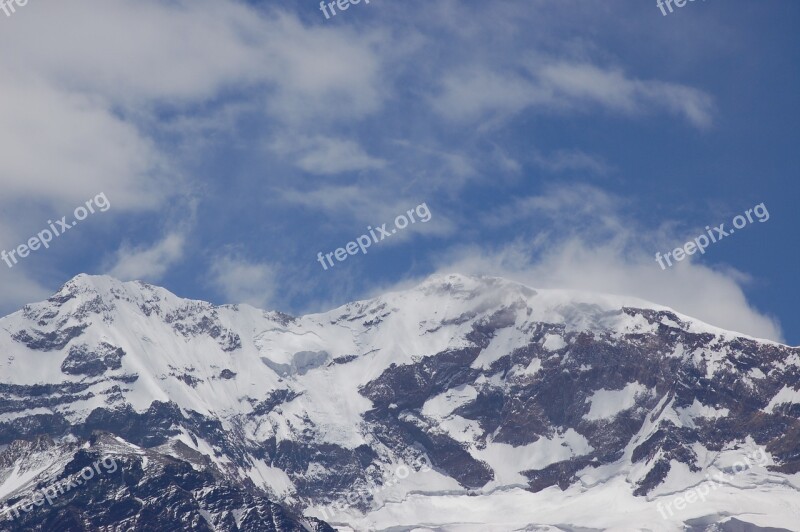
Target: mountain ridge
<point>501,387</point>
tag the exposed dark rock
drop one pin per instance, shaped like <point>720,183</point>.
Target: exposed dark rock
<point>227,374</point>
<point>83,360</point>
<point>48,341</point>
<point>110,485</point>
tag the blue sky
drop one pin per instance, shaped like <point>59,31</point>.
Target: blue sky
<point>560,143</point>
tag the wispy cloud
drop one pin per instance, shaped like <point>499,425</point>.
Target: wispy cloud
<point>325,155</point>
<point>571,160</point>
<point>481,91</point>
<point>19,289</point>
<point>148,262</point>
<point>243,281</point>
<point>613,89</point>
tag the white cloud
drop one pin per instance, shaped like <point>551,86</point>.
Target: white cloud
<point>567,207</point>
<point>241,281</point>
<point>457,167</point>
<point>571,160</point>
<point>598,249</point>
<point>148,263</point>
<point>373,206</point>
<point>322,74</point>
<point>64,148</point>
<point>181,51</point>
<point>612,89</point>
<point>714,296</point>
<point>472,94</point>
<point>150,50</point>
<point>85,95</point>
<point>18,289</point>
<point>469,95</point>
<point>505,161</point>
<point>325,155</point>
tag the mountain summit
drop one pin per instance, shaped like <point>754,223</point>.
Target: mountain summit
<point>499,403</point>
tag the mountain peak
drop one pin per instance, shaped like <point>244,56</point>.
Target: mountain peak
<point>84,282</point>
<point>106,289</point>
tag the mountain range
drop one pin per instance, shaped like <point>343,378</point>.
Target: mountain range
<point>462,404</point>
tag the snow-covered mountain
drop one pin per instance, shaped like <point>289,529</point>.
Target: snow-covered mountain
<point>462,404</point>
